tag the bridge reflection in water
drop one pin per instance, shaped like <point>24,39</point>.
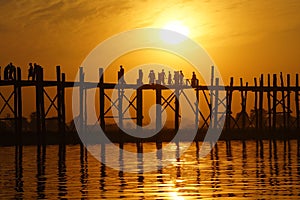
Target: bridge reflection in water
<point>256,169</point>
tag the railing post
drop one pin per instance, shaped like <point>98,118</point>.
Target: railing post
<point>101,98</point>
<point>58,92</point>
<point>19,91</point>
<point>139,102</point>
<point>216,106</point>
<point>81,88</point>
<point>261,101</point>
<point>274,100</point>
<point>158,108</point>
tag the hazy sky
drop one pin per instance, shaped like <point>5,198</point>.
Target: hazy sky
<point>244,38</point>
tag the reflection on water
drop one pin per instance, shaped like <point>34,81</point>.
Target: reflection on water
<point>254,169</point>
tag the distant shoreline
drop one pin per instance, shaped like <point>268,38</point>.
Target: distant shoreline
<point>166,135</point>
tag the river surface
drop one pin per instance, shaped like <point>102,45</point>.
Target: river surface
<point>236,169</point>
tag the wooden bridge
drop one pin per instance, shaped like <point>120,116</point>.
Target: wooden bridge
<point>282,100</point>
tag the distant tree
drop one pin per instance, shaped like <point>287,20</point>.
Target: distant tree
<point>239,119</point>
<point>253,117</point>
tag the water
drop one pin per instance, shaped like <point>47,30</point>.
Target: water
<point>236,169</point>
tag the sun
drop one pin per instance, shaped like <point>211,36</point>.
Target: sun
<point>176,26</point>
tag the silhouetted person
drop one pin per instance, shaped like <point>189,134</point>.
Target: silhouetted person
<point>194,80</point>
<point>158,81</point>
<point>181,77</point>
<point>170,78</point>
<point>176,77</point>
<point>36,69</point>
<point>12,69</point>
<point>140,79</point>
<point>9,72</point>
<point>121,75</point>
<point>151,77</point>
<point>162,76</point>
<point>30,71</point>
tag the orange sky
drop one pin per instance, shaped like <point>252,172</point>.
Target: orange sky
<point>244,38</point>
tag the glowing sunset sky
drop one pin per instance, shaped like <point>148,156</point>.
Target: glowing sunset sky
<point>244,38</point>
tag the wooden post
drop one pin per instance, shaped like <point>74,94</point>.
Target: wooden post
<point>297,102</point>
<point>211,93</point>
<point>274,100</point>
<point>283,100</point>
<point>177,96</point>
<point>261,101</point>
<point>139,106</point>
<point>58,81</point>
<point>19,91</point>
<point>243,98</point>
<point>63,107</point>
<point>197,110</point>
<point>120,105</point>
<point>216,106</point>
<point>288,98</point>
<point>229,104</point>
<point>42,103</point>
<point>15,104</point>
<point>81,88</point>
<point>37,99</point>
<point>158,108</point>
<point>255,105</point>
<point>269,102</point>
<point>101,98</point>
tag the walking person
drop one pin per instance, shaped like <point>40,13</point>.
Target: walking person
<point>181,76</point>
<point>30,71</point>
<point>169,78</point>
<point>162,77</point>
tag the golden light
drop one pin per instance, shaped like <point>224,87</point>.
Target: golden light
<point>176,26</point>
<point>175,196</point>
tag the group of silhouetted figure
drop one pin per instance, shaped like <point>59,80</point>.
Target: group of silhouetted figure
<point>33,70</point>
<point>10,72</point>
<point>176,79</point>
